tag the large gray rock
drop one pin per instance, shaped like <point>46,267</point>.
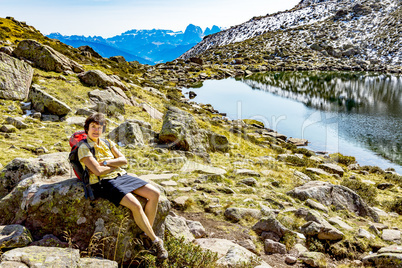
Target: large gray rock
<point>177,226</point>
<point>334,195</point>
<point>45,103</point>
<point>127,133</point>
<point>318,226</point>
<point>313,259</point>
<point>45,57</point>
<point>100,79</point>
<point>196,229</point>
<point>35,256</point>
<point>228,252</point>
<point>270,224</point>
<point>333,169</point>
<point>181,131</point>
<point>14,236</point>
<point>21,168</point>
<point>15,78</point>
<point>97,262</point>
<point>17,122</point>
<point>107,101</point>
<point>386,257</point>
<point>236,214</point>
<point>391,235</point>
<point>273,247</point>
<point>56,204</point>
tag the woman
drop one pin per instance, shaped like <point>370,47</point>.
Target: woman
<point>108,180</point>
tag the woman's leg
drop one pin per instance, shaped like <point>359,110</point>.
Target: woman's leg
<point>151,193</point>
<point>139,215</point>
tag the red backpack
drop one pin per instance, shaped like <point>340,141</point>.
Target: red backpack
<point>82,174</point>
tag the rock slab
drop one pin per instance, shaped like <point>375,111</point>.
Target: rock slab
<point>15,78</point>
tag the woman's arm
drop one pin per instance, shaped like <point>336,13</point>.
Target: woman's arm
<point>95,167</point>
<point>118,161</point>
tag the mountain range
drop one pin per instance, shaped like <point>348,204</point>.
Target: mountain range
<point>145,46</point>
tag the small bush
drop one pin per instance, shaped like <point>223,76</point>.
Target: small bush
<point>367,192</point>
<point>373,169</point>
<point>394,178</point>
<point>182,254</point>
<point>343,159</point>
<point>396,206</point>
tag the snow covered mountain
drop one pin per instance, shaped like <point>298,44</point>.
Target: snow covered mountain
<point>372,28</point>
<point>145,46</point>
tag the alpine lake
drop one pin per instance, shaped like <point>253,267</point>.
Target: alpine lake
<point>354,113</point>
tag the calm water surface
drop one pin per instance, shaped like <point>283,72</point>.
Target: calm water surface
<point>357,114</point>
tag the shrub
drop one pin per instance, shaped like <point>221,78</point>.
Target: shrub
<point>343,159</point>
<point>373,169</point>
<point>181,254</point>
<point>396,206</point>
<point>367,192</point>
<point>394,178</point>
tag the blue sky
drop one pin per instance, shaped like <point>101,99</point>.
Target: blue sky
<point>111,17</point>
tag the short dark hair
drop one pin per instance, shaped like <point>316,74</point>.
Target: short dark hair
<point>98,118</point>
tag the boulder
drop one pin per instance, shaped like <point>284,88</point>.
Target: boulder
<point>181,131</point>
<point>45,57</point>
<point>338,196</point>
<point>97,262</point>
<point>196,229</point>
<point>313,259</point>
<point>322,231</point>
<point>229,253</point>
<point>272,247</point>
<point>7,50</point>
<point>236,214</point>
<point>15,78</point>
<point>391,235</point>
<point>249,181</point>
<point>20,168</point>
<point>76,120</point>
<point>127,133</point>
<point>332,168</point>
<point>98,78</point>
<point>56,204</point>
<point>177,226</point>
<point>386,257</point>
<point>35,256</point>
<point>14,236</point>
<point>107,101</point>
<point>270,224</point>
<point>90,50</point>
<point>17,122</point>
<point>118,59</point>
<point>45,103</point>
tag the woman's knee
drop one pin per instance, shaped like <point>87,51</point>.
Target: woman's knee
<point>155,192</point>
<point>131,202</point>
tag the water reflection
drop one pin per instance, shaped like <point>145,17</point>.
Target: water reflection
<point>335,91</point>
<point>368,106</point>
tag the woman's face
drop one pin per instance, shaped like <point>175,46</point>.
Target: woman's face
<point>95,131</point>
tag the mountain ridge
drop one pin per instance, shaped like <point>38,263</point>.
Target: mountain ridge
<point>342,22</point>
<point>144,46</point>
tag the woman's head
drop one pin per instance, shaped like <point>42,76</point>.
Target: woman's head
<point>95,119</point>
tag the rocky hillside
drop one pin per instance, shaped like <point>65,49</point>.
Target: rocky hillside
<point>366,31</point>
<point>248,196</point>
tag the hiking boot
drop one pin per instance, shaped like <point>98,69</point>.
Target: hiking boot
<point>161,252</point>
<point>147,242</point>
